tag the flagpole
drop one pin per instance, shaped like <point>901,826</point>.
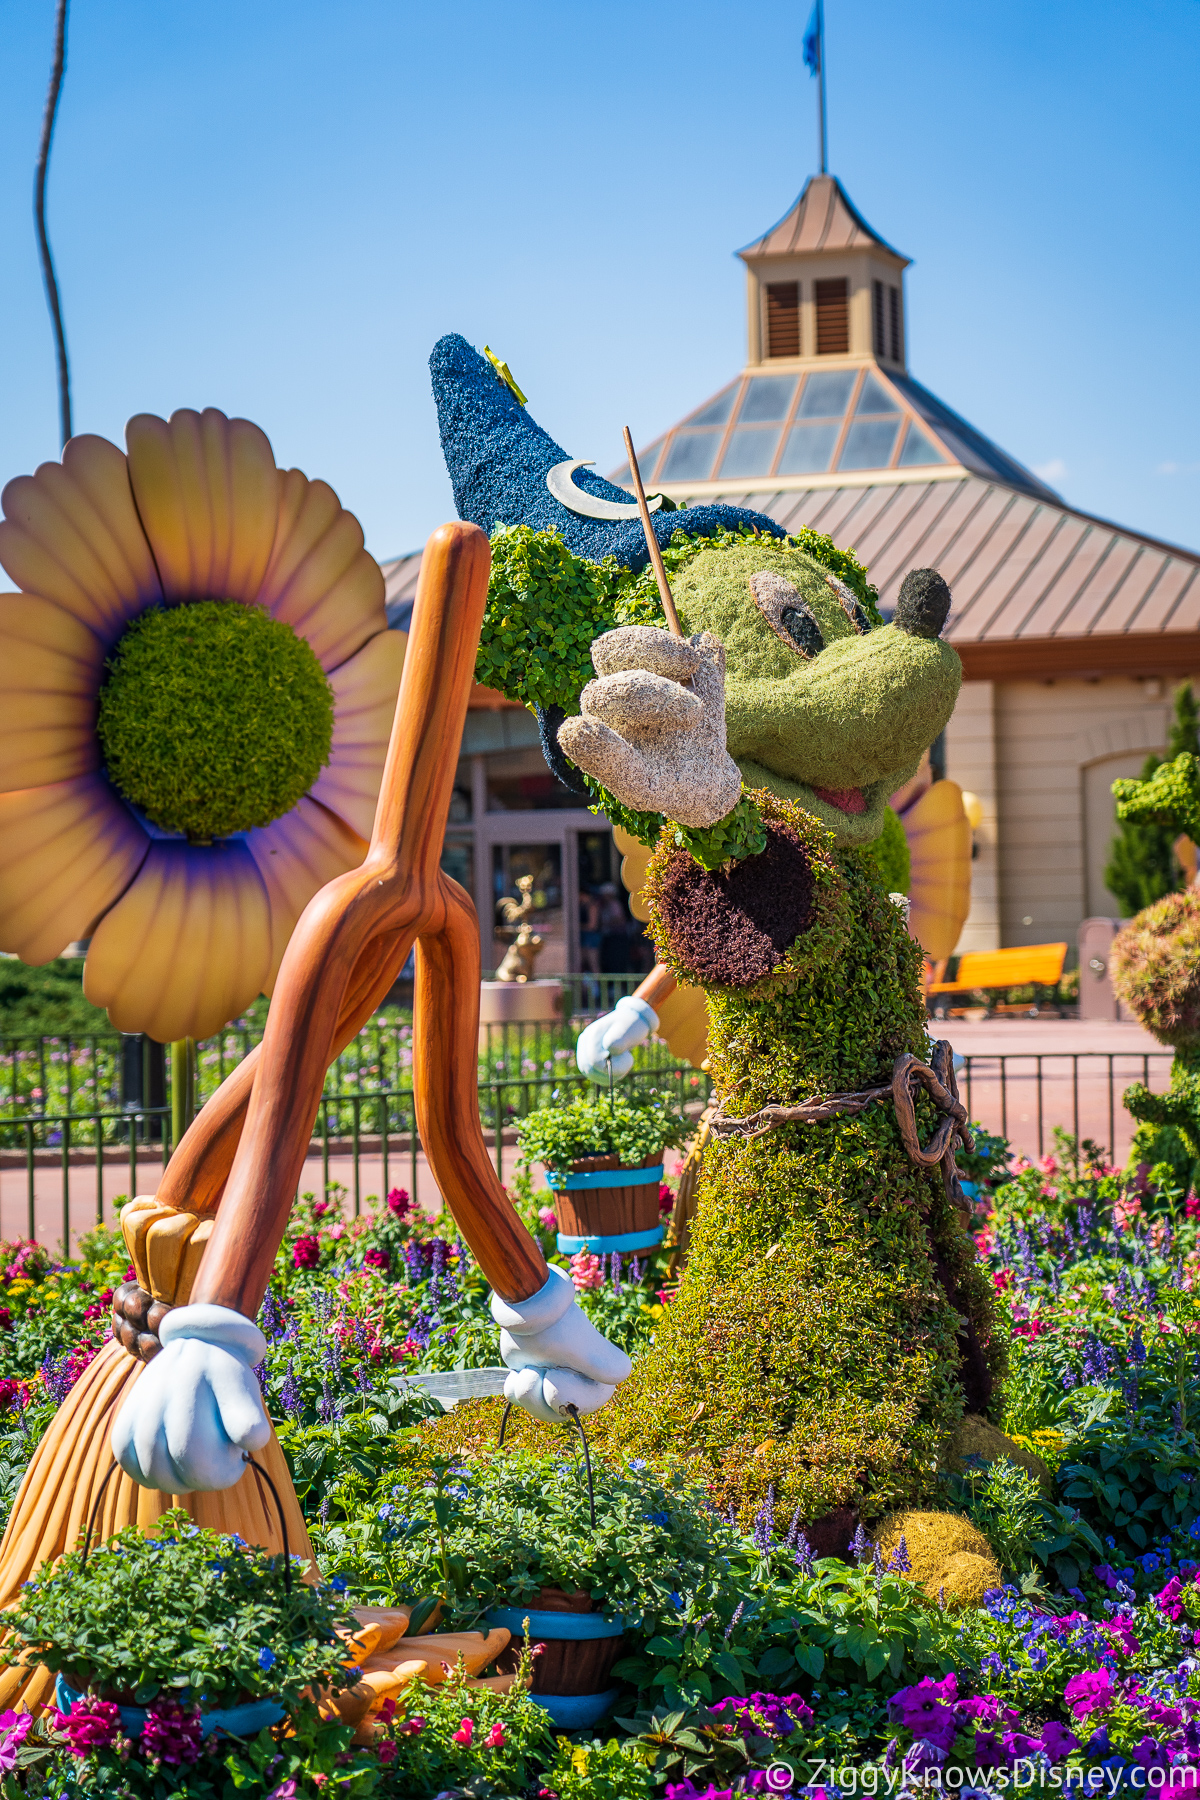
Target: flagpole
<point>821,87</point>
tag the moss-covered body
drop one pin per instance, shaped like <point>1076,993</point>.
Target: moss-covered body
<point>817,1341</point>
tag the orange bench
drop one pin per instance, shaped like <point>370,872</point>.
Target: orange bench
<point>1024,965</point>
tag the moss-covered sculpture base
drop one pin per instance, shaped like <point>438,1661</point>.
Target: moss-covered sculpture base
<point>833,1323</point>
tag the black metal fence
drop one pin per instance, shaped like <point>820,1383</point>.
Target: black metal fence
<point>86,1103</point>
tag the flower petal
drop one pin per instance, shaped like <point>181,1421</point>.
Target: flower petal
<point>71,532</point>
<point>49,676</point>
<point>364,705</point>
<point>296,856</point>
<point>207,490</point>
<point>321,580</point>
<point>187,947</point>
<point>67,852</point>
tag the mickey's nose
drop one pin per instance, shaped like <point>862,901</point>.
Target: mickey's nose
<point>924,603</point>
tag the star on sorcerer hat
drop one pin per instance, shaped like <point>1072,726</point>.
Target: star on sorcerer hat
<point>499,460</point>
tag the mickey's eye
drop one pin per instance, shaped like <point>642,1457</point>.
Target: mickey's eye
<point>800,626</point>
<point>787,613</point>
<point>852,606</point>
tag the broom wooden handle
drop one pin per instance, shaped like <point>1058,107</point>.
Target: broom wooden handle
<point>660,573</point>
<point>343,955</point>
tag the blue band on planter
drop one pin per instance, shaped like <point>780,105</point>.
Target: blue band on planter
<point>554,1624</point>
<point>240,1721</point>
<point>604,1178</point>
<point>970,1189</point>
<point>574,1711</point>
<point>604,1246</point>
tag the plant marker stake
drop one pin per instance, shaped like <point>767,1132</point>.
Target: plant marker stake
<point>660,573</point>
<point>612,1099</point>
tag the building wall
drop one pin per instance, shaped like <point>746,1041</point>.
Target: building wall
<point>1050,751</point>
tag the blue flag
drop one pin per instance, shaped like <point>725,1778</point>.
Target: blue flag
<point>812,41</point>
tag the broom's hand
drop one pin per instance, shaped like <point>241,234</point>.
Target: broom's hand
<point>652,726</point>
<point>188,1419</point>
<point>557,1357</point>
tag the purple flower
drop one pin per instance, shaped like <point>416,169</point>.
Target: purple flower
<point>988,1753</point>
<point>804,1557</point>
<point>860,1548</point>
<point>899,1562</point>
<point>1091,1691</point>
<point>1057,1741</point>
<point>764,1523</point>
<point>922,1755</point>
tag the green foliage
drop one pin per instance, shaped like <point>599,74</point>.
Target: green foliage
<point>612,1770</point>
<point>811,1345</point>
<point>1131,1485</point>
<point>454,1739</point>
<point>636,1126</point>
<point>214,717</point>
<point>888,856</point>
<point>741,833</point>
<point>1141,866</point>
<point>1022,1526</point>
<point>1169,799</point>
<point>186,1611</point>
<point>544,607</point>
<point>47,1002</point>
<point>490,1529</point>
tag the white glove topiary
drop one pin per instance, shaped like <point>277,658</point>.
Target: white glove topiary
<point>198,1406</point>
<point>613,1035</point>
<point>557,1357</point>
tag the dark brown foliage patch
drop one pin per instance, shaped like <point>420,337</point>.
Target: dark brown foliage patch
<point>733,927</point>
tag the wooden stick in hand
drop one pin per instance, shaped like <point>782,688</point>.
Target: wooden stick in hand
<point>660,573</point>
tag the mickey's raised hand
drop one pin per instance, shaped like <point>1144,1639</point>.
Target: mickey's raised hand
<point>652,726</point>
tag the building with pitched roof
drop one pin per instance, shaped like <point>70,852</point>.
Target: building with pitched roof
<point>1071,630</point>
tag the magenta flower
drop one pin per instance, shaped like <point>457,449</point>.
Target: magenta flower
<point>14,1729</point>
<point>397,1202</point>
<point>1167,1598</point>
<point>306,1252</point>
<point>988,1753</point>
<point>90,1725</point>
<point>926,1710</point>
<point>1057,1741</point>
<point>173,1732</point>
<point>1091,1691</point>
<point>377,1259</point>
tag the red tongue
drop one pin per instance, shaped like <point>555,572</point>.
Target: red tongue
<point>847,800</point>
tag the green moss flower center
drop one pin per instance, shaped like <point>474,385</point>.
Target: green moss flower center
<point>214,717</point>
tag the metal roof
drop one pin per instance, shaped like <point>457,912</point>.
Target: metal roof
<point>823,218</point>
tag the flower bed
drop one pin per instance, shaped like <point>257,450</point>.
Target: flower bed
<point>742,1653</point>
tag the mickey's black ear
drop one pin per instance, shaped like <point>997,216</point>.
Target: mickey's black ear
<point>924,603</point>
<point>549,719</point>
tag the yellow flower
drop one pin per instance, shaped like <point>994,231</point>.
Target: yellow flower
<point>20,1286</point>
<point>183,934</point>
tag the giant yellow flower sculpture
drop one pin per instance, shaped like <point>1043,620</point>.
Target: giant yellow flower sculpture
<point>197,685</point>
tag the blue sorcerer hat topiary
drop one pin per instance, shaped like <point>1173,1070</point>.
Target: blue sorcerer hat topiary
<point>498,459</point>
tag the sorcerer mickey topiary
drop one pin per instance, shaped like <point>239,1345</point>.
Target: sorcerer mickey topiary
<point>833,1324</point>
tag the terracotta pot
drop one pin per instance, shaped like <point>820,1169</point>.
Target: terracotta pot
<point>599,1211</point>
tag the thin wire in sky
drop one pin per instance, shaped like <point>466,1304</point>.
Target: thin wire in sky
<point>39,212</point>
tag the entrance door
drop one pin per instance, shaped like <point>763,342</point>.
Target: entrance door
<point>543,864</point>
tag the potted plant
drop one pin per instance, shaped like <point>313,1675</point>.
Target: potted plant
<point>517,1542</point>
<point>183,1615</point>
<point>603,1159</point>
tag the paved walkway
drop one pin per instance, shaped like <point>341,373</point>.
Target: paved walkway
<point>1025,1076</point>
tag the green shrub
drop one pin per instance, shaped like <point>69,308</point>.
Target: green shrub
<point>183,1610</point>
<point>1130,1486</point>
<point>1022,1526</point>
<point>637,1129</point>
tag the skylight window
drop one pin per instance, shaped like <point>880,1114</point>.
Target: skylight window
<point>827,394</point>
<point>918,448</point>
<point>808,449</point>
<point>718,409</point>
<point>691,455</point>
<point>875,397</point>
<point>751,450</point>
<point>768,399</point>
<point>869,444</point>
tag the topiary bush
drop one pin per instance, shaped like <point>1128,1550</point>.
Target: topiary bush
<point>817,1341</point>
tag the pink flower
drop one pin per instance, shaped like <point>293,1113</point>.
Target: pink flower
<point>464,1734</point>
<point>306,1252</point>
<point>1121,1632</point>
<point>90,1725</point>
<point>398,1202</point>
<point>1193,1206</point>
<point>666,1199</point>
<point>547,1218</point>
<point>386,1752</point>
<point>320,1208</point>
<point>1126,1211</point>
<point>173,1732</point>
<point>412,1727</point>
<point>285,1791</point>
<point>377,1259</point>
<point>587,1271</point>
<point>495,1739</point>
<point>1091,1691</point>
<point>1167,1599</point>
<point>1030,1328</point>
<point>1002,1280</point>
<point>14,1729</point>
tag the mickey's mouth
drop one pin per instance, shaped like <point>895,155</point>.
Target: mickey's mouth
<point>847,800</point>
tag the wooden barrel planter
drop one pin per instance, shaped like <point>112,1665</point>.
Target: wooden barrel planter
<point>571,1673</point>
<point>603,1207</point>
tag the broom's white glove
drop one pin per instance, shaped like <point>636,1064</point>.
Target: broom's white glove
<point>612,1037</point>
<point>198,1406</point>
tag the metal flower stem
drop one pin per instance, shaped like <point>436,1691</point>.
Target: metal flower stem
<point>183,1087</point>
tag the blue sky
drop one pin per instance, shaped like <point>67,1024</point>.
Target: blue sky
<point>276,208</point>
